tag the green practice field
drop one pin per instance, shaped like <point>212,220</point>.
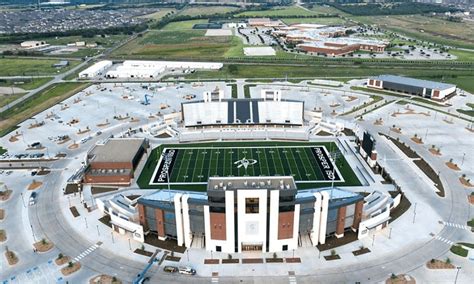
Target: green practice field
<point>191,165</point>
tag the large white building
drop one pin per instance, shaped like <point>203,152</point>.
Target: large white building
<point>151,69</point>
<point>95,70</point>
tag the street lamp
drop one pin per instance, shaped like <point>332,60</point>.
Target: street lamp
<point>85,219</point>
<point>112,234</point>
<point>23,200</point>
<point>457,272</point>
<point>98,233</point>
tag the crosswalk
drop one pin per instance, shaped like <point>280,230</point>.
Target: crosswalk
<point>444,240</point>
<point>459,226</point>
<point>87,251</point>
<point>291,277</point>
<point>215,277</point>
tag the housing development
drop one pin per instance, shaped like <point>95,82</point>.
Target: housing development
<point>236,142</point>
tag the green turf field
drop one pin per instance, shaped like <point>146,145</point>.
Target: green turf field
<point>192,164</point>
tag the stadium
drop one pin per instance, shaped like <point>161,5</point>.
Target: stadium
<point>249,174</point>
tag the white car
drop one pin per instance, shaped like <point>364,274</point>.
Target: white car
<point>187,270</point>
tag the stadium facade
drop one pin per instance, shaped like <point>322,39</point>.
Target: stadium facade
<point>237,214</point>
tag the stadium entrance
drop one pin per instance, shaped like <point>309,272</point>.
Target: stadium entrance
<point>251,247</point>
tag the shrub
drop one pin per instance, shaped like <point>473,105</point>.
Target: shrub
<point>333,252</point>
<point>393,276</point>
<point>432,260</point>
<point>43,241</point>
<point>274,255</point>
<point>229,256</point>
<point>448,261</point>
<point>142,247</point>
<point>70,264</point>
<point>60,255</point>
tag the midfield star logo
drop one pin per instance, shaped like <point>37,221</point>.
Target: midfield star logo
<point>245,163</point>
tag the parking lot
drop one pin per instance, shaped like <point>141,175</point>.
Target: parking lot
<point>71,124</point>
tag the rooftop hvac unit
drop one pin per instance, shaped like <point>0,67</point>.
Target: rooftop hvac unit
<point>246,183</point>
<point>216,186</point>
<point>262,184</point>
<point>282,186</point>
<point>281,182</point>
<point>229,184</point>
<point>254,184</point>
<point>221,184</point>
<point>224,187</point>
<point>269,182</point>
<point>287,186</point>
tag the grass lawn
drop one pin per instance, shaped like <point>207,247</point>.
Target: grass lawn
<point>463,55</point>
<point>234,90</point>
<point>278,11</point>
<point>469,112</point>
<point>187,44</point>
<point>320,21</point>
<point>426,28</point>
<point>44,100</point>
<point>458,250</point>
<point>205,10</point>
<point>28,84</point>
<point>183,25</point>
<point>463,82</point>
<point>31,66</point>
<point>6,99</point>
<point>193,164</point>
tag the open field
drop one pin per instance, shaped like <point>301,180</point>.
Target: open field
<point>183,25</point>
<point>426,28</point>
<point>31,66</point>
<point>181,44</point>
<point>195,163</point>
<point>44,100</point>
<point>279,11</point>
<point>325,9</point>
<point>160,14</point>
<point>28,84</point>
<point>105,41</point>
<point>6,99</point>
<point>320,21</point>
<point>294,71</point>
<point>205,10</point>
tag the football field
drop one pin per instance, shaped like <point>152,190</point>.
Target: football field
<point>194,165</point>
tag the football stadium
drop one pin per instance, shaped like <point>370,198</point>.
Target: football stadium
<point>310,164</point>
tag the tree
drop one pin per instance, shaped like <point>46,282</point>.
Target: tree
<point>60,255</point>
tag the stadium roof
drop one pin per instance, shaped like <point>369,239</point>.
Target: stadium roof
<point>414,82</point>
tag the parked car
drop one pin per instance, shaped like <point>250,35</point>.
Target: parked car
<point>187,270</point>
<point>33,198</point>
<point>170,269</point>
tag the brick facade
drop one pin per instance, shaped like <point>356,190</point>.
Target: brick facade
<point>285,225</point>
<point>218,226</point>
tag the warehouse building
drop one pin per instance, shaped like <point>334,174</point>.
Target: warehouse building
<point>137,69</point>
<point>270,109</point>
<point>428,89</point>
<point>95,70</point>
<point>238,214</point>
<point>115,161</point>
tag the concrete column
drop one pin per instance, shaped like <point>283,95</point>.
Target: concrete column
<point>316,219</point>
<point>341,217</point>
<point>324,217</point>
<point>186,222</point>
<point>357,215</point>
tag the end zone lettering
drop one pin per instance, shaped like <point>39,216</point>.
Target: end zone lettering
<point>166,166</point>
